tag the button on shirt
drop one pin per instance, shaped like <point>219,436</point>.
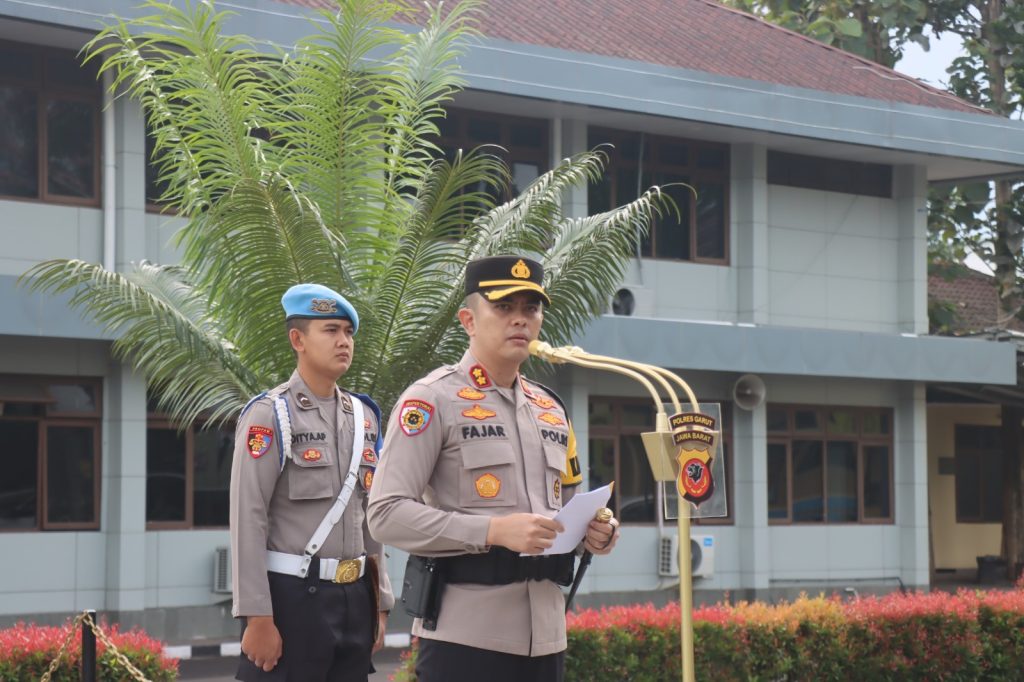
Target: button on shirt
<point>458,451</point>
<point>279,509</point>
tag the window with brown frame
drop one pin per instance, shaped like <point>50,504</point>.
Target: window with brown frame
<point>50,105</point>
<point>829,175</point>
<point>979,475</point>
<point>700,233</point>
<point>616,453</point>
<point>523,141</point>
<point>188,473</point>
<point>829,464</point>
<point>50,428</point>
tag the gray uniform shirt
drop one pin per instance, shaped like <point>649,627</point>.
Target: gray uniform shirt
<point>459,451</point>
<point>280,509</point>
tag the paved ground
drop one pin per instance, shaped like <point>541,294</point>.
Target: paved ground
<point>223,669</point>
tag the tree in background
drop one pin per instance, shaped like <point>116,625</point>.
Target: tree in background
<point>320,164</point>
<point>985,217</point>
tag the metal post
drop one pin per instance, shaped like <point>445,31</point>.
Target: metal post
<point>88,648</point>
<point>685,590</point>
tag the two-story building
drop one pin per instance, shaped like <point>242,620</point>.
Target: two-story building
<point>801,260</point>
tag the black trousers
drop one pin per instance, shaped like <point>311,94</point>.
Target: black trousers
<point>439,661</point>
<point>327,630</point>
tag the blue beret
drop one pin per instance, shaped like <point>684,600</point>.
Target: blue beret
<point>317,302</point>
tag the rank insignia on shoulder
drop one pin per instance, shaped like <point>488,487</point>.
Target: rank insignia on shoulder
<point>346,402</point>
<point>558,488</point>
<point>470,393</point>
<point>304,400</point>
<point>488,486</point>
<point>551,418</point>
<point>312,455</point>
<point>259,440</point>
<point>415,416</point>
<point>478,413</point>
<point>369,456</point>
<point>543,402</point>
<point>479,376</point>
<point>367,480</point>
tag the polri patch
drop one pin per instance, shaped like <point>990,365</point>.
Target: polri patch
<point>478,413</point>
<point>479,376</point>
<point>415,416</point>
<point>259,440</point>
<point>312,455</point>
<point>488,486</point>
<point>470,393</point>
<point>551,418</point>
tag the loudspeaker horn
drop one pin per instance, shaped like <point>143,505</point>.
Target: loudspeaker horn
<point>748,392</point>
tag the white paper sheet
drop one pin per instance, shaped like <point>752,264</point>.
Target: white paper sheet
<point>576,516</point>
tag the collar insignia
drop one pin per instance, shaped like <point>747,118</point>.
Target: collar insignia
<point>304,401</point>
<point>479,376</point>
<point>346,402</point>
<point>478,413</point>
<point>470,393</point>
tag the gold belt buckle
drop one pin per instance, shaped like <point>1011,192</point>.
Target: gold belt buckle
<point>348,571</point>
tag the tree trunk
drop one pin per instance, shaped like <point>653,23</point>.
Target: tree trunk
<point>1013,491</point>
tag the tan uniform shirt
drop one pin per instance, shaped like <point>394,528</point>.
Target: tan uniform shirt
<point>459,451</point>
<point>279,509</point>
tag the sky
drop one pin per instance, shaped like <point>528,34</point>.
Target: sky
<point>930,67</point>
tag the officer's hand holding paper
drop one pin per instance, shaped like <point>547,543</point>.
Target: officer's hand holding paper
<point>576,516</point>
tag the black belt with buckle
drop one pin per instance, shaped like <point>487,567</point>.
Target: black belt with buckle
<point>501,566</point>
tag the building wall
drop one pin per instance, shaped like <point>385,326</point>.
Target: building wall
<point>956,545</point>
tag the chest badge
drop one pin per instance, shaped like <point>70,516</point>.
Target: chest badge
<point>478,413</point>
<point>488,486</point>
<point>312,455</point>
<point>415,416</point>
<point>543,402</point>
<point>368,480</point>
<point>470,393</point>
<point>551,418</point>
<point>259,440</point>
<point>479,376</point>
<point>369,456</point>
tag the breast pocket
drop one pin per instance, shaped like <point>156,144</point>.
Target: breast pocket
<point>309,479</point>
<point>487,478</point>
<point>554,457</point>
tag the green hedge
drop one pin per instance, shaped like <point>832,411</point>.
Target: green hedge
<point>971,635</point>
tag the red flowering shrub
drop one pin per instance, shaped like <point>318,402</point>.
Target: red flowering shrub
<point>971,635</point>
<point>26,651</point>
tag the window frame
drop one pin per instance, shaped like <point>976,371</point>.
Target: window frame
<point>156,420</point>
<point>613,432</point>
<point>822,435</point>
<point>93,420</point>
<point>695,177</point>
<point>975,453</point>
<point>45,93</point>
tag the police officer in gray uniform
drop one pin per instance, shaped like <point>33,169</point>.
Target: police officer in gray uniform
<point>477,459</point>
<point>308,580</point>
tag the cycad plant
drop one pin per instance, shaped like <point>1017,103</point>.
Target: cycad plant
<point>320,163</point>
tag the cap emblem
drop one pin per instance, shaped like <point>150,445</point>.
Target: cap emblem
<point>323,306</point>
<point>520,270</point>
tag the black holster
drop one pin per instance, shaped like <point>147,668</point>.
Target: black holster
<point>421,589</point>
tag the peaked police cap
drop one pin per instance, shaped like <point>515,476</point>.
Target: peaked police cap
<point>496,277</point>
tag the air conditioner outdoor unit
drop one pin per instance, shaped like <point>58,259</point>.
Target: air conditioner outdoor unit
<point>222,570</point>
<point>702,556</point>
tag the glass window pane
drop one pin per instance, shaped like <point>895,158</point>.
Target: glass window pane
<point>155,186</point>
<point>601,458</point>
<point>776,419</point>
<point>635,485</point>
<point>600,413</point>
<point>599,195</point>
<point>710,220</point>
<point>877,487</point>
<point>806,420</point>
<point>711,158</point>
<point>842,421</point>
<point>968,487</point>
<point>165,475</point>
<point>70,474</point>
<point>19,143</point>
<point>484,131</point>
<point>778,474</point>
<point>212,475</point>
<point>877,423</point>
<point>527,135</point>
<point>17,64</point>
<point>73,399</point>
<point>808,498</point>
<point>65,69</point>
<point>842,482</point>
<point>522,175</point>
<point>19,487</point>
<point>672,232</point>
<point>71,148</point>
<point>674,153</point>
<point>638,414</point>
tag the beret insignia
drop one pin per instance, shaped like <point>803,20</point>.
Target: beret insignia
<point>323,306</point>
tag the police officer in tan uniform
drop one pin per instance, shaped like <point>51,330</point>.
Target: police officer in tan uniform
<point>307,577</point>
<point>477,461</point>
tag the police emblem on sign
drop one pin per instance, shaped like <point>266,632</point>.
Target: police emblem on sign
<point>695,436</point>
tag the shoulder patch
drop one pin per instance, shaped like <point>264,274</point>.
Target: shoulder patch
<point>415,416</point>
<point>259,440</point>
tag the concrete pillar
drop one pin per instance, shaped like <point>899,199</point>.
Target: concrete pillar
<point>750,497</point>
<point>570,138</point>
<point>130,201</point>
<point>910,483</point>
<point>910,190</point>
<point>749,230</point>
